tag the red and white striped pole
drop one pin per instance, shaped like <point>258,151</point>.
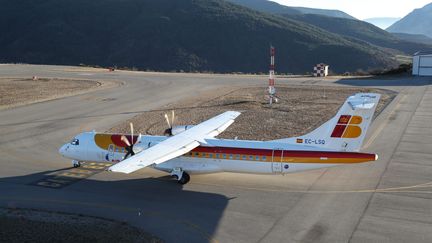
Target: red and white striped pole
<point>271,88</point>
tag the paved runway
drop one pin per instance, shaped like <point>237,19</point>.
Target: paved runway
<point>389,200</point>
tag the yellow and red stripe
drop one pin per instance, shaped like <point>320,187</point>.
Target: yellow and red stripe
<point>286,156</point>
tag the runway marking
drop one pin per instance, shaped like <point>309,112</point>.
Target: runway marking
<point>138,212</point>
<point>61,179</point>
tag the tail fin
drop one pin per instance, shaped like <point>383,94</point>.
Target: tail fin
<point>345,131</point>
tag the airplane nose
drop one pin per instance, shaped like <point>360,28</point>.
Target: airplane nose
<point>62,150</point>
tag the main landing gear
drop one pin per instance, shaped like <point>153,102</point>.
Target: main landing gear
<point>181,176</point>
<point>76,163</point>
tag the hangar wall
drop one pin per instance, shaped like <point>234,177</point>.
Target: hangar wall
<point>422,65</point>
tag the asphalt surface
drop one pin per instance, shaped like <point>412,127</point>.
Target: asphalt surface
<point>389,200</point>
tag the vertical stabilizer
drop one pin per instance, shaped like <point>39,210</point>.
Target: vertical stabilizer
<point>345,131</point>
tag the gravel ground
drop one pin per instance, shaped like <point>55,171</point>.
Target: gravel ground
<point>300,109</point>
<point>15,92</point>
<point>22,225</point>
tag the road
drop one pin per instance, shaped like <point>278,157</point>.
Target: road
<point>386,201</point>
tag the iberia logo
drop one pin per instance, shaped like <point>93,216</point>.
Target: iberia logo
<point>347,127</point>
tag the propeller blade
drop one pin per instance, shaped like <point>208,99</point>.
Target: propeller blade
<point>172,118</point>
<point>125,140</point>
<point>167,120</point>
<point>132,133</point>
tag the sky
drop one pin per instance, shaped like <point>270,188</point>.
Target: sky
<point>362,9</point>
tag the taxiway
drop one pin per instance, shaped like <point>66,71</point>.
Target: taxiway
<point>386,201</point>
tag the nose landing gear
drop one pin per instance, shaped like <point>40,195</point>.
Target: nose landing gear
<point>76,163</point>
<point>181,176</point>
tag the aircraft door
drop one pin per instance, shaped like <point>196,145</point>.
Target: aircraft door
<point>277,156</point>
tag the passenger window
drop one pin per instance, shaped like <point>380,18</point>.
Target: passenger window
<point>231,156</point>
<point>196,154</point>
<point>203,155</point>
<point>257,158</point>
<point>250,157</point>
<point>244,157</point>
<point>264,158</point>
<point>210,155</point>
<point>217,156</point>
<point>224,156</point>
<point>238,156</point>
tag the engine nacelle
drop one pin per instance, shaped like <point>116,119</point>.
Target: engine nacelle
<point>179,129</point>
<point>138,147</point>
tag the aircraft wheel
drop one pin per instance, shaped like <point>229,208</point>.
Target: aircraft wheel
<point>185,179</point>
<point>76,164</point>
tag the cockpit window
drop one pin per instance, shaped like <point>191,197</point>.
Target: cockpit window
<point>75,141</point>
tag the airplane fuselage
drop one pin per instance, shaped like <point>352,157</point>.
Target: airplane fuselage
<point>216,155</point>
<point>194,148</point>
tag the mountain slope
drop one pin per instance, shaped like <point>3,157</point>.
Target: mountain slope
<point>362,31</point>
<point>325,12</point>
<point>414,38</point>
<point>418,21</point>
<point>276,8</point>
<point>347,27</point>
<point>166,35</point>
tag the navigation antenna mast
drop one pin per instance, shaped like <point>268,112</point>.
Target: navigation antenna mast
<point>271,88</point>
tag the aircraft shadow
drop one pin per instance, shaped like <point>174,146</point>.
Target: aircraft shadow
<point>159,205</point>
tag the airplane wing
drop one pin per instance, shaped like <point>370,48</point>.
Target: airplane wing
<point>177,145</point>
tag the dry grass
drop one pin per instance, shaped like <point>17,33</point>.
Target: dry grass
<point>300,109</point>
<point>15,92</point>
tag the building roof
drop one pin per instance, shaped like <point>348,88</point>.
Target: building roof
<point>420,53</point>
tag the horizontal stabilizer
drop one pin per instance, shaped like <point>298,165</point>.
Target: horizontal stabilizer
<point>363,101</point>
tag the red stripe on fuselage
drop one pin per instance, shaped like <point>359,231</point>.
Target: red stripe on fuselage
<point>286,153</point>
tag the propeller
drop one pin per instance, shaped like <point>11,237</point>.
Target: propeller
<point>132,133</point>
<point>129,144</point>
<point>172,118</point>
<point>168,131</point>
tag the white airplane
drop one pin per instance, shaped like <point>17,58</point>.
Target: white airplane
<point>194,149</point>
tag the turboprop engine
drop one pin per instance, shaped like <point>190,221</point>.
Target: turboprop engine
<point>174,130</point>
<point>179,129</point>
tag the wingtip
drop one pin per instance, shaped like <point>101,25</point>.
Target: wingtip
<point>236,113</point>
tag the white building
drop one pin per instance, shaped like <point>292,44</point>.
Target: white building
<point>422,64</point>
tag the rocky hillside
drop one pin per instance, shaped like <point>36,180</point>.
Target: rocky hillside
<point>166,35</point>
<point>418,21</point>
<point>342,25</point>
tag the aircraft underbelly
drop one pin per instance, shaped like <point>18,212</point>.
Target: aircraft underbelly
<point>192,166</point>
<point>268,167</point>
<point>197,166</point>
